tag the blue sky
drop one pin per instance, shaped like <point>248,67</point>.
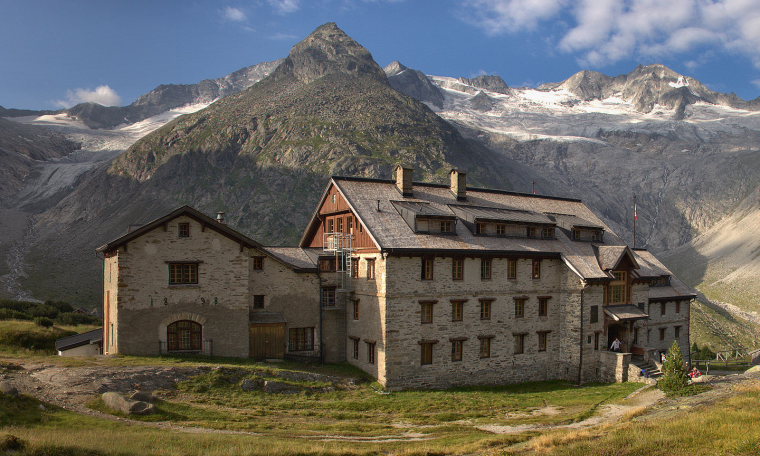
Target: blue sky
<point>57,53</point>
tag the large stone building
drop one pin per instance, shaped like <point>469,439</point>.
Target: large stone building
<point>420,285</point>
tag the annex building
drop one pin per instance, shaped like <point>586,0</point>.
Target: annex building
<point>421,285</point>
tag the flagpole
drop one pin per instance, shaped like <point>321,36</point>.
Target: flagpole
<point>635,217</point>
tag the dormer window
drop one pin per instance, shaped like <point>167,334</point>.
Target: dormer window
<point>480,228</point>
<point>596,236</point>
<point>183,230</point>
<point>447,226</point>
<point>547,232</point>
<point>617,292</point>
<point>501,229</point>
<point>588,234</point>
<point>530,231</point>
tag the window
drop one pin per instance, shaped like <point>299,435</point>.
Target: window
<point>355,268</point>
<point>641,306</point>
<point>485,347</point>
<point>300,339</point>
<point>594,314</point>
<point>576,234</point>
<point>183,230</point>
<point>334,198</point>
<point>457,310</point>
<point>542,337</point>
<point>356,309</point>
<point>426,311</point>
<point>340,224</point>
<point>258,301</point>
<point>618,288</point>
<point>547,232</point>
<point>327,297</point>
<point>184,335</point>
<point>635,336</point>
<point>327,264</point>
<point>501,229</point>
<point>662,333</point>
<point>370,352</point>
<point>543,306</point>
<point>183,273</point>
<point>426,353</point>
<point>485,309</point>
<point>457,268</point>
<point>511,269</point>
<point>426,272</point>
<point>349,224</point>
<point>330,225</point>
<point>457,347</point>
<point>258,263</point>
<point>678,307</point>
<point>447,226</point>
<point>678,331</point>
<point>530,231</point>
<point>485,269</point>
<point>662,308</point>
<point>596,236</point>
<point>480,228</point>
<point>519,344</point>
<point>520,307</point>
<point>536,269</point>
<point>596,341</point>
<point>355,351</point>
<point>370,269</point>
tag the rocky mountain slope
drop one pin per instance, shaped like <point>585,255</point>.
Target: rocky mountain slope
<point>262,155</point>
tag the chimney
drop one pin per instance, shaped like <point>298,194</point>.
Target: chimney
<point>220,217</point>
<point>404,180</point>
<point>458,184</point>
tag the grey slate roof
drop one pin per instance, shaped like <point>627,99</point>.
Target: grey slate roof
<point>625,312</point>
<point>654,267</point>
<point>77,340</point>
<point>569,221</point>
<point>611,255</point>
<point>295,256</point>
<point>497,214</point>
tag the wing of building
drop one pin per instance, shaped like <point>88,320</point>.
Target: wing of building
<point>421,285</point>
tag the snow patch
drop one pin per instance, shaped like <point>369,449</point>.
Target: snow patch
<point>682,82</point>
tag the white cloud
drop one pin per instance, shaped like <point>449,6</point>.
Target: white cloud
<point>103,95</point>
<point>233,14</point>
<point>282,36</point>
<point>601,32</point>
<point>285,6</point>
<point>500,16</point>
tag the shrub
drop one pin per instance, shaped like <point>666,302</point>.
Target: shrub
<point>60,306</point>
<point>73,318</point>
<point>12,314</point>
<point>675,378</point>
<point>43,321</point>
<point>43,310</point>
<point>11,443</point>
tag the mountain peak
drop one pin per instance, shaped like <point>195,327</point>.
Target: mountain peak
<point>394,68</point>
<point>328,50</point>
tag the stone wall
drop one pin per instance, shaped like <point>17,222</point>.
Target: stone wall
<point>147,303</point>
<point>406,331</point>
<point>614,366</point>
<point>668,322</point>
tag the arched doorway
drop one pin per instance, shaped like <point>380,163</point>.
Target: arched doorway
<point>184,336</point>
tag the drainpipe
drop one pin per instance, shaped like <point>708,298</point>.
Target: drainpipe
<point>321,311</point>
<point>580,346</point>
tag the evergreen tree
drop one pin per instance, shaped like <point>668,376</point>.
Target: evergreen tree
<point>675,376</point>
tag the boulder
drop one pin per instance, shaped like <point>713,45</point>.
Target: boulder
<point>271,386</point>
<point>251,384</point>
<point>119,403</point>
<point>143,396</point>
<point>8,389</point>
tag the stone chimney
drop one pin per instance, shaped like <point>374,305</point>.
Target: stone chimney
<point>220,217</point>
<point>404,180</point>
<point>458,184</point>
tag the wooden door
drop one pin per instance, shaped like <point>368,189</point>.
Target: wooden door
<point>267,340</point>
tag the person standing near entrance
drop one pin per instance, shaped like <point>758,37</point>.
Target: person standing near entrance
<point>615,345</point>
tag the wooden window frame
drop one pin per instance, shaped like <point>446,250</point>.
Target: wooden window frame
<point>485,309</point>
<point>501,229</point>
<point>547,232</point>
<point>427,268</point>
<point>531,232</point>
<point>480,228</point>
<point>520,307</point>
<point>485,346</point>
<point>457,268</point>
<point>371,354</point>
<point>355,348</point>
<point>457,350</point>
<point>446,226</point>
<point>486,268</point>
<point>618,285</point>
<point>370,268</point>
<point>183,273</point>
<point>258,263</point>
<point>662,333</point>
<point>327,296</point>
<point>427,309</point>
<point>519,344</point>
<point>593,314</point>
<point>330,225</point>
<point>677,331</point>
<point>355,267</point>
<point>457,310</point>
<point>426,353</point>
<point>349,224</point>
<point>184,336</point>
<point>301,339</point>
<point>543,340</point>
<point>536,269</point>
<point>356,309</point>
<point>183,229</point>
<point>328,264</point>
<point>663,308</point>
<point>543,306</point>
<point>678,307</point>
<point>512,269</point>
<point>259,301</point>
<point>339,224</point>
